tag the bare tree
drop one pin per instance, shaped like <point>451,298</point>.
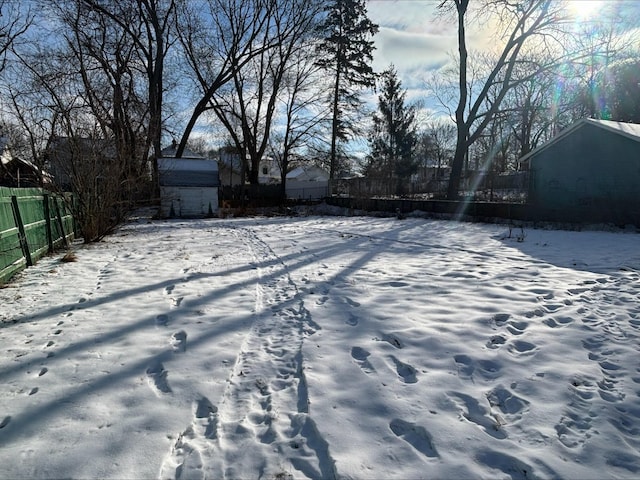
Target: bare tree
<point>66,140</point>
<point>148,25</point>
<point>78,98</point>
<point>220,43</point>
<point>14,23</point>
<point>303,112</point>
<point>108,72</point>
<point>247,106</point>
<point>521,23</point>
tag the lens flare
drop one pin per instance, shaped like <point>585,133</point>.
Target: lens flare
<point>584,9</point>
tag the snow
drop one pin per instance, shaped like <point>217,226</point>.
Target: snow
<point>325,347</point>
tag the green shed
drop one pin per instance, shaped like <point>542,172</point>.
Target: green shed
<point>588,172</point>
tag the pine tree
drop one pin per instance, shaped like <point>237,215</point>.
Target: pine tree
<point>393,136</point>
<point>346,51</point>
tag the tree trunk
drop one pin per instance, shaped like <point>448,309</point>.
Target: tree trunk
<point>334,124</point>
<point>461,124</point>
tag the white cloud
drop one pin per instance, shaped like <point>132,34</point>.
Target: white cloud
<point>410,36</point>
<point>416,41</point>
<point>411,50</point>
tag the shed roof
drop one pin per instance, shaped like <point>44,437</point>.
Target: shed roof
<point>188,172</point>
<point>629,130</point>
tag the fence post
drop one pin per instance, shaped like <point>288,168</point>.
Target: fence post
<point>47,219</point>
<point>60,224</point>
<point>22,237</point>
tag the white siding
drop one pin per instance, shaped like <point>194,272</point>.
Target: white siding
<point>307,190</point>
<point>188,201</point>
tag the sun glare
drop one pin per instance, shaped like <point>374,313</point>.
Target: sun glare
<point>584,9</point>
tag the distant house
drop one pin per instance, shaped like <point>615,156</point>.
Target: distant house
<point>16,172</point>
<point>229,167</point>
<point>591,168</point>
<point>78,159</point>
<point>269,171</point>
<point>307,183</point>
<point>188,185</point>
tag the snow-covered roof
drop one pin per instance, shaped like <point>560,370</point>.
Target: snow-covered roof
<point>188,172</point>
<point>191,164</point>
<point>629,130</point>
<point>308,173</point>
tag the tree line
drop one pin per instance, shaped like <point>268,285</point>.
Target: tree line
<point>103,84</point>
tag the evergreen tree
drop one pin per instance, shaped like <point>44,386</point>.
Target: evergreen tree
<point>393,136</point>
<point>346,51</point>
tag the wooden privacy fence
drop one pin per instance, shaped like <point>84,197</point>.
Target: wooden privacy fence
<point>33,222</point>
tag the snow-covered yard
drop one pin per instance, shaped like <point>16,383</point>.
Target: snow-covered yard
<point>325,347</point>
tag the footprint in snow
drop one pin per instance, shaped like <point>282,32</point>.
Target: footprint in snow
<point>557,322</point>
<point>474,412</point>
<point>178,341</point>
<point>203,408</point>
<point>322,300</point>
<point>157,376</point>
<point>5,421</point>
<point>405,371</point>
<point>499,319</point>
<point>517,328</point>
<point>467,366</point>
<point>511,466</point>
<point>414,435</point>
<point>352,303</point>
<point>352,320</point>
<point>162,320</point>
<point>507,401</point>
<point>496,341</point>
<point>520,347</point>
<point>361,356</point>
<point>175,302</point>
<point>391,339</point>
<point>185,461</point>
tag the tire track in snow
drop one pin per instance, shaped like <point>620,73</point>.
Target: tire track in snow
<point>265,407</point>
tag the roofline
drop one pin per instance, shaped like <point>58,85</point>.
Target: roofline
<point>575,126</point>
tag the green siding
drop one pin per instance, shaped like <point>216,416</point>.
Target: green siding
<point>589,168</point>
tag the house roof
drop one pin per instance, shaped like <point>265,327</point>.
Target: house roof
<point>308,173</point>
<point>629,130</point>
<point>66,147</point>
<point>171,150</point>
<point>188,172</point>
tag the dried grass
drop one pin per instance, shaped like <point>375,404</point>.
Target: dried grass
<point>69,257</point>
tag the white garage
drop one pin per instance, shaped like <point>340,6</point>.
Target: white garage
<point>188,187</point>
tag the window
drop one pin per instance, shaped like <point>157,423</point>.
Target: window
<point>265,170</point>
